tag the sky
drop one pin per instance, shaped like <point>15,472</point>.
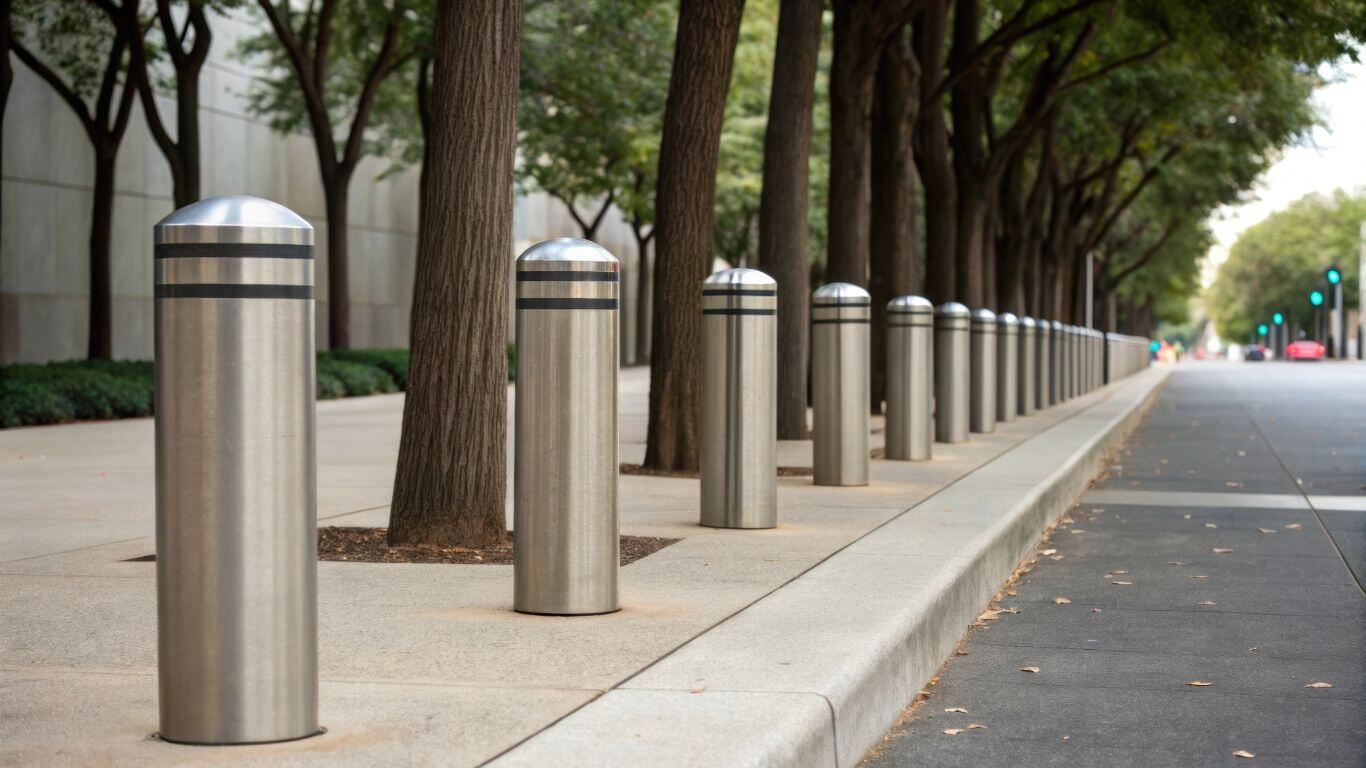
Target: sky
<point>1333,157</point>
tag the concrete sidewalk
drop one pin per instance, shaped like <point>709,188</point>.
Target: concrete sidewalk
<point>426,664</point>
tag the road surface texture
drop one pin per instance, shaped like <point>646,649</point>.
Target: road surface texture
<point>1196,605</point>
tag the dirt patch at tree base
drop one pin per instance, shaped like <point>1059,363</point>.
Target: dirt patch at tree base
<point>368,545</point>
<point>636,469</point>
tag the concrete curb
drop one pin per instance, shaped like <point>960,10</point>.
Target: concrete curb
<point>818,670</point>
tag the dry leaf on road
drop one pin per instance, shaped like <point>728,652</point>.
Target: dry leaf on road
<point>1122,583</point>
<point>955,709</point>
<point>1319,685</point>
<point>1294,526</point>
<point>975,726</point>
<point>1061,600</point>
<point>1211,525</point>
<point>1243,753</point>
<point>1205,602</point>
<point>1199,577</point>
<point>1232,484</point>
<point>1198,683</point>
<point>1267,530</point>
<point>1049,552</point>
<point>1175,562</point>
<point>954,731</point>
<point>1032,670</point>
<point>1221,550</point>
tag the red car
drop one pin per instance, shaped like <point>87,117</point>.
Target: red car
<point>1304,350</point>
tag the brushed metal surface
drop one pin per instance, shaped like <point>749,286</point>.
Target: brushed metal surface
<point>565,466</point>
<point>236,507</point>
<point>982,372</point>
<point>1007,366</point>
<point>1026,380</point>
<point>1055,385</point>
<point>1043,364</point>
<point>739,431</point>
<point>910,378</point>
<point>951,322</point>
<point>839,384</point>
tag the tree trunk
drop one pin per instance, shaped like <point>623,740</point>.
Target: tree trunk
<point>101,335</point>
<point>932,159</point>
<point>336,191</point>
<point>186,184</point>
<point>643,302</point>
<point>892,224</point>
<point>685,200</point>
<point>783,201</point>
<point>451,483</point>
<point>6,78</point>
<point>852,73</point>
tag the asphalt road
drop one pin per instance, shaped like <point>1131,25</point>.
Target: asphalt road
<point>1225,546</point>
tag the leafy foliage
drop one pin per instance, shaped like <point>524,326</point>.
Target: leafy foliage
<point>1274,264</point>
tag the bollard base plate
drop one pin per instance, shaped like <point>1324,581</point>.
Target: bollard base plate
<point>569,615</point>
<point>156,736</point>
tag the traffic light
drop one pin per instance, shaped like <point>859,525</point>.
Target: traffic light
<point>1278,318</point>
<point>1316,298</point>
<point>1334,275</point>
<point>1262,329</point>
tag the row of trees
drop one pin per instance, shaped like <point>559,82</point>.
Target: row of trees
<point>1274,264</point>
<point>970,150</point>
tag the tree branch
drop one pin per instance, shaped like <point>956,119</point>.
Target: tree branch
<point>384,61</point>
<point>1142,261</point>
<point>63,90</point>
<point>1116,64</point>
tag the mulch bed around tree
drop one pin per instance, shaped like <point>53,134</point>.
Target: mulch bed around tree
<point>367,545</point>
<point>636,469</point>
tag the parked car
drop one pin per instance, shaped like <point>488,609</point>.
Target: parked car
<point>1255,354</point>
<point>1304,350</point>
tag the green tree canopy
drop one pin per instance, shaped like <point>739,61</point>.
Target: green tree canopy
<point>1277,262</point>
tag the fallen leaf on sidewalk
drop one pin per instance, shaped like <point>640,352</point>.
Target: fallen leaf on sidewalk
<point>1205,602</point>
<point>1055,557</point>
<point>954,731</point>
<point>975,726</point>
<point>1078,530</point>
<point>1198,683</point>
<point>1267,530</point>
<point>697,690</point>
<point>1049,552</point>
<point>1319,685</point>
<point>1294,526</point>
<point>1031,670</point>
<point>1061,600</point>
<point>955,709</point>
<point>1243,753</point>
<point>1221,550</point>
<point>961,653</point>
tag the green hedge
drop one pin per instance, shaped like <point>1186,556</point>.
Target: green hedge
<point>104,389</point>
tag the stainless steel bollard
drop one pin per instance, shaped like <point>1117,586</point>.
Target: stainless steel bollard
<point>1058,347</point>
<point>839,384</point>
<point>951,321</point>
<point>910,377</point>
<point>1078,362</point>
<point>1007,366</point>
<point>565,544</point>
<point>1043,365</point>
<point>1029,336</point>
<point>236,488</point>
<point>982,372</point>
<point>739,464</point>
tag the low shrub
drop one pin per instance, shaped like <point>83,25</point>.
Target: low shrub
<point>392,361</point>
<point>347,378</point>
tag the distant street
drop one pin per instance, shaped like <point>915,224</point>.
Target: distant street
<point>1202,604</point>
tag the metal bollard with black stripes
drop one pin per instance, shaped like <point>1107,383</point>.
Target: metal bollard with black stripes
<point>566,551</point>
<point>236,496</point>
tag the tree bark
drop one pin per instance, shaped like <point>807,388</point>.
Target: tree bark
<point>6,79</point>
<point>932,158</point>
<point>100,341</point>
<point>703,54</point>
<point>643,283</point>
<point>783,201</point>
<point>336,193</point>
<point>181,151</point>
<point>852,72</point>
<point>892,223</point>
<point>451,483</point>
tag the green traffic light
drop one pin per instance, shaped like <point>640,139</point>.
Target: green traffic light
<point>1261,329</point>
<point>1154,345</point>
<point>1334,276</point>
<point>1316,298</point>
<point>1278,318</point>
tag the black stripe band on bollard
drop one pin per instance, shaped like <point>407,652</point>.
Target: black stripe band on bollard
<point>231,291</point>
<point>568,276</point>
<point>232,251</point>
<point>739,311</point>
<point>566,303</point>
